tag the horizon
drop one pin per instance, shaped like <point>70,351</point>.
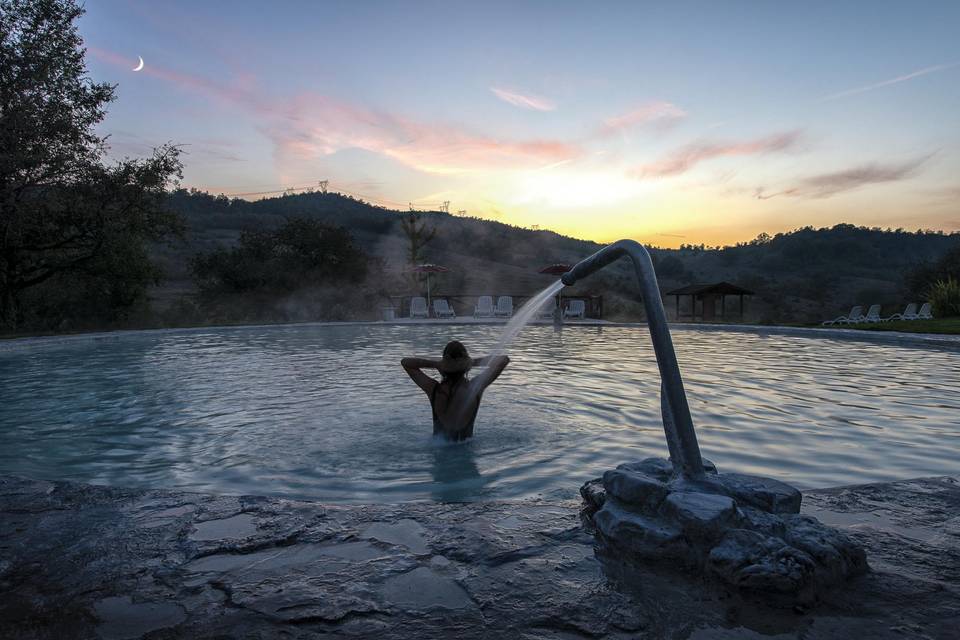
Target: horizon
<point>683,125</point>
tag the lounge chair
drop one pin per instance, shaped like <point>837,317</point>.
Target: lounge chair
<point>873,314</point>
<point>418,308</point>
<point>925,313</point>
<point>910,313</point>
<point>575,309</point>
<point>547,309</point>
<point>442,309</point>
<point>504,307</point>
<point>856,313</point>
<point>484,308</point>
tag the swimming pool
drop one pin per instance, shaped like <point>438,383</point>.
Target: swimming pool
<point>325,412</point>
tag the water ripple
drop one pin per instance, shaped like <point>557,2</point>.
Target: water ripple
<point>325,412</point>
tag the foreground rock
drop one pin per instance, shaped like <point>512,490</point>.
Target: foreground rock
<point>744,530</point>
<point>78,561</point>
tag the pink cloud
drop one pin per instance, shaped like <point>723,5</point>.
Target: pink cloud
<point>310,126</point>
<point>663,112</point>
<point>524,101</point>
<point>686,158</point>
<point>825,185</point>
<point>314,126</point>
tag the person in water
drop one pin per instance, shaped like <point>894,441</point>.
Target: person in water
<point>455,399</point>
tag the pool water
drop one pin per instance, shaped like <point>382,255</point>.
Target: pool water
<point>326,412</point>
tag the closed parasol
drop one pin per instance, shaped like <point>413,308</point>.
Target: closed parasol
<point>429,268</point>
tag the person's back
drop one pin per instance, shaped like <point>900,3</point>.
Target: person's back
<point>455,399</point>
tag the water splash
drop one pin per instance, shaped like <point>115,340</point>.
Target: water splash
<point>523,316</point>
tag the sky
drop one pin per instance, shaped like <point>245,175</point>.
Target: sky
<point>668,123</point>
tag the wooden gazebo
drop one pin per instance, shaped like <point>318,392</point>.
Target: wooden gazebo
<point>707,295</point>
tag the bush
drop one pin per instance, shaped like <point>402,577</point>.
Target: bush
<point>944,296</point>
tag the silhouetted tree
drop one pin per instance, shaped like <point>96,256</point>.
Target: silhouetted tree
<point>921,278</point>
<point>419,234</point>
<point>301,253</point>
<point>63,213</point>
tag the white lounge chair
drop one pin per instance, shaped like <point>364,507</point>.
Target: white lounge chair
<point>547,309</point>
<point>854,316</point>
<point>504,307</point>
<point>925,313</point>
<point>873,314</point>
<point>575,309</point>
<point>418,308</point>
<point>910,313</point>
<point>484,308</point>
<point>442,309</point>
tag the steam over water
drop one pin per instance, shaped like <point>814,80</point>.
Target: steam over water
<point>326,412</point>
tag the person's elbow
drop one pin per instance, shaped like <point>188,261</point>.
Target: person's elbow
<point>406,363</point>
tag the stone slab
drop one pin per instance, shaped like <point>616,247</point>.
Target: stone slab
<point>528,569</point>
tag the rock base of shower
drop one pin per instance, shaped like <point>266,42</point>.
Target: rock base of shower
<point>745,531</point>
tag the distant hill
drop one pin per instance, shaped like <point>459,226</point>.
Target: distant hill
<point>801,276</point>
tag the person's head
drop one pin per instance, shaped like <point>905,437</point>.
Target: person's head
<point>456,360</point>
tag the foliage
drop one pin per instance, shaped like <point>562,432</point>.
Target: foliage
<point>301,253</point>
<point>944,297</point>
<point>921,278</point>
<point>670,267</point>
<point>74,233</point>
<point>418,234</point>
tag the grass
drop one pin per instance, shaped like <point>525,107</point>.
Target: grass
<point>950,326</point>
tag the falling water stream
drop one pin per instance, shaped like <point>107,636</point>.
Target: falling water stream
<point>524,315</point>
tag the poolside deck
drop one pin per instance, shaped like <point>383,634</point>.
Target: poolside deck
<point>81,561</point>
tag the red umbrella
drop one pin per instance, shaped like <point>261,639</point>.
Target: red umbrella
<point>557,269</point>
<point>429,268</point>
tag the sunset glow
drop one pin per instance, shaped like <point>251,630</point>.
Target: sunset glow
<point>659,124</point>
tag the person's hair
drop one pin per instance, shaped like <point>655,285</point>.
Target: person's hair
<point>455,351</point>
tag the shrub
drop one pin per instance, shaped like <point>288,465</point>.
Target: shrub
<point>944,296</point>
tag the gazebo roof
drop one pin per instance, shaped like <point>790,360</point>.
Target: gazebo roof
<point>717,288</point>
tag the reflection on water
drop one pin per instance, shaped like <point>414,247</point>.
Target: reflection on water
<point>325,412</point>
<point>456,477</point>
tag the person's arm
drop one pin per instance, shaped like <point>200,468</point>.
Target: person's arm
<point>495,366</point>
<point>413,368</point>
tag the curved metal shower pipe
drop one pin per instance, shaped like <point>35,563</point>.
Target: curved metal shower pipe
<point>677,423</point>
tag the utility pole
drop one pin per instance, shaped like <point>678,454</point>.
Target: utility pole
<point>445,207</point>
<point>323,185</point>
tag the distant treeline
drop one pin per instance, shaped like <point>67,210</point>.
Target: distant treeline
<point>798,276</point>
<point>90,244</point>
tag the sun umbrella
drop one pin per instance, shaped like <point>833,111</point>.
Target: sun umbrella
<point>429,268</point>
<point>557,269</point>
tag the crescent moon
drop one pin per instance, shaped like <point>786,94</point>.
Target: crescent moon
<point>139,66</point>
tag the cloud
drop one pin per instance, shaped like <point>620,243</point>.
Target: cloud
<point>663,112</point>
<point>825,185</point>
<point>309,126</point>
<point>524,101</point>
<point>312,126</point>
<point>886,83</point>
<point>686,158</point>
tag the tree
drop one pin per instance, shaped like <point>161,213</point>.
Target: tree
<point>299,254</point>
<point>418,236</point>
<point>63,212</point>
<point>920,279</point>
